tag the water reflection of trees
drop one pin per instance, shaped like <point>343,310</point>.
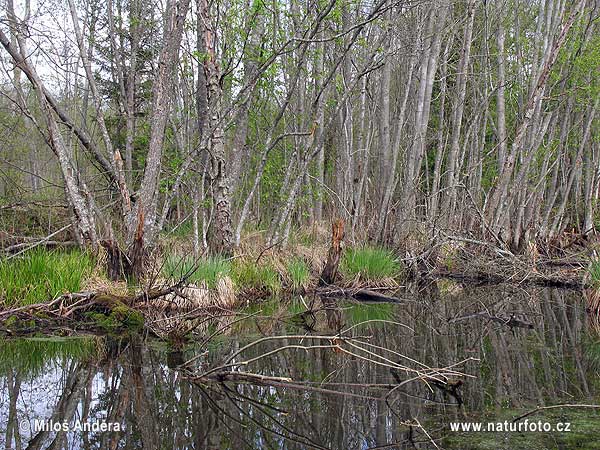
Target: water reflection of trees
<point>160,408</point>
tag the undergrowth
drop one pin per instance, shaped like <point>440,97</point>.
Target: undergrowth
<point>594,272</point>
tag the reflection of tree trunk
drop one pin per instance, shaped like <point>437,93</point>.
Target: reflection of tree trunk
<point>574,344</point>
<point>545,336</point>
<point>12,425</point>
<point>143,405</point>
<point>120,401</point>
<point>77,379</point>
<point>505,369</point>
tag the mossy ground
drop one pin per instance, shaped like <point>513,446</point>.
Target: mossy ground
<point>121,317</point>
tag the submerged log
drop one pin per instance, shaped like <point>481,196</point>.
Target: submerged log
<point>363,295</point>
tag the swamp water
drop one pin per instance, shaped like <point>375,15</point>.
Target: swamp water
<point>45,382</point>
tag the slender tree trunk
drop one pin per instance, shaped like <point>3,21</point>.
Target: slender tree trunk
<point>147,201</point>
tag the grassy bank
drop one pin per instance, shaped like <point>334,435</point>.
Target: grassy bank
<point>285,272</point>
<point>40,275</point>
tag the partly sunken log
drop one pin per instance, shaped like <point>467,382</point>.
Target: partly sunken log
<point>326,286</point>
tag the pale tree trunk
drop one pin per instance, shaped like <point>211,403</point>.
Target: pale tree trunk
<point>384,155</point>
<point>441,141</point>
<point>270,140</point>
<point>556,225</point>
<point>500,98</point>
<point>135,10</point>
<point>114,155</point>
<point>279,227</point>
<point>254,27</point>
<point>76,194</point>
<point>457,114</point>
<point>407,214</point>
<point>499,204</point>
<point>391,180</point>
<point>589,187</point>
<point>162,89</point>
<point>21,99</point>
<point>320,118</point>
<point>221,241</point>
<point>363,152</point>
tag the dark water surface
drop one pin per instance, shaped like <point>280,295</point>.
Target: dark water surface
<point>134,384</point>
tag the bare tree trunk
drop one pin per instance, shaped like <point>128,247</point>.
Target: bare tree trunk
<point>575,167</point>
<point>81,208</point>
<point>501,103</point>
<point>254,27</point>
<point>221,241</point>
<point>457,113</point>
<point>147,201</point>
<point>499,201</point>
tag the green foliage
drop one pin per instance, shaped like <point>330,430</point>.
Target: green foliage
<point>299,273</point>
<point>182,230</point>
<point>592,352</point>
<point>208,270</point>
<point>41,275</point>
<point>247,274</point>
<point>370,264</point>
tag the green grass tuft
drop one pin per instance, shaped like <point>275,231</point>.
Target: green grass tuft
<point>40,275</point>
<point>370,264</point>
<point>209,270</point>
<point>247,274</point>
<point>299,273</point>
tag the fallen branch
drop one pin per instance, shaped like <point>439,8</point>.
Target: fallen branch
<point>511,321</point>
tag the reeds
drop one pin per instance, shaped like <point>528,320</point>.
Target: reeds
<point>249,275</point>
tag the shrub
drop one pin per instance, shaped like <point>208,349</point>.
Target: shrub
<point>370,264</point>
<point>41,275</point>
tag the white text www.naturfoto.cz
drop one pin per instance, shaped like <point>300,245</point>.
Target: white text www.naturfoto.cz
<point>497,427</point>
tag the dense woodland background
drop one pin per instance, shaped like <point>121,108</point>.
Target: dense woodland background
<point>122,120</point>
